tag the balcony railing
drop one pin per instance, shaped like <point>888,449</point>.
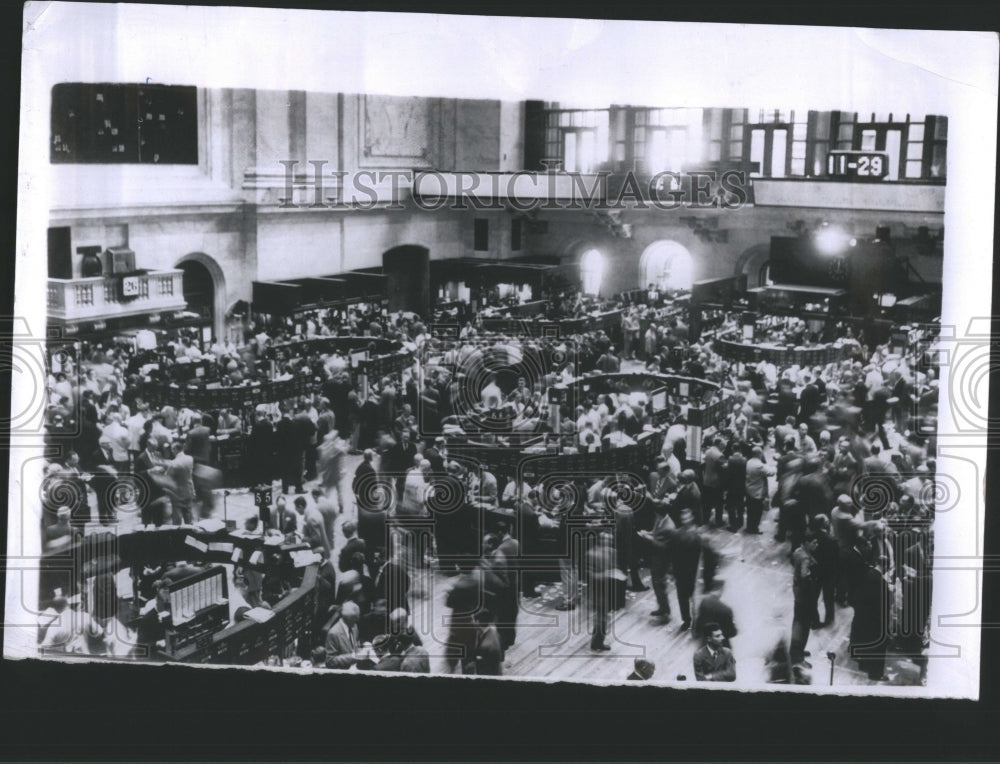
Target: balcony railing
<point>98,297</point>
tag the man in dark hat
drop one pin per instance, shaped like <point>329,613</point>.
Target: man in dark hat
<point>642,670</point>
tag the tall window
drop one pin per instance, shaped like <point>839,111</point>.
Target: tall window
<point>578,138</point>
<point>669,139</point>
<point>668,265</point>
<point>916,150</point>
<point>775,142</point>
<point>591,271</point>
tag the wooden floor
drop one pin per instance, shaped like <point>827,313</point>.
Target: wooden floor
<point>555,645</point>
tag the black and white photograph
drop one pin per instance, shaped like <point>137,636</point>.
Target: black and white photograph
<point>504,357</point>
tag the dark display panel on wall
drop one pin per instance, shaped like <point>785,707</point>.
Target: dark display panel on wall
<point>796,260</point>
<point>124,124</point>
<point>862,266</point>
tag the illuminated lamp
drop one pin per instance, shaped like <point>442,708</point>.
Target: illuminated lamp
<point>830,240</point>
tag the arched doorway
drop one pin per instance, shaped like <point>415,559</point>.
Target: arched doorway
<point>755,264</point>
<point>204,289</point>
<point>591,271</point>
<point>668,265</point>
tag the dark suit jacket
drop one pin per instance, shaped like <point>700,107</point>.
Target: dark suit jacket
<point>393,586</point>
<point>352,547</point>
<point>198,444</point>
<point>143,464</point>
<point>305,430</point>
<point>260,450</point>
<point>736,474</point>
<point>288,446</point>
<point>489,653</point>
<point>341,642</point>
<point>713,610</point>
<point>722,665</point>
<point>685,552</point>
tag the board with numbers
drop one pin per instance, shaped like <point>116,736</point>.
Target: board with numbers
<point>124,124</point>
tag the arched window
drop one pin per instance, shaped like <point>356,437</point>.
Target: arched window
<point>667,265</point>
<point>764,274</point>
<point>591,271</point>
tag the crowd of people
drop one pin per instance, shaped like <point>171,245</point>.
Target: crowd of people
<point>836,454</point>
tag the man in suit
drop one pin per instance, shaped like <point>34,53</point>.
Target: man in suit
<point>688,498</point>
<point>149,470</point>
<point>735,472</point>
<point>327,512</point>
<point>505,556</point>
<point>529,537</point>
<point>290,450</point>
<point>808,399</point>
<point>869,638</point>
<point>658,541</point>
<point>326,421</point>
<point>826,555</point>
<point>180,470</point>
<point>846,530</point>
<point>352,546</point>
<point>399,459</point>
<point>488,652</point>
<point>198,444</point>
<point>804,592</point>
<point>342,640</point>
<point>685,553</point>
<point>392,581</point>
<point>602,572</point>
<point>260,449</point>
<point>712,493</point>
<point>712,610</point>
<point>314,525</point>
<point>305,430</point>
<point>625,544</point>
<point>464,598</point>
<point>281,515</point>
<point>757,473</point>
<point>642,670</point>
<point>714,662</point>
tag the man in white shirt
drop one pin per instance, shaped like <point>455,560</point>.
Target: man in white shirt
<point>670,469</point>
<point>118,441</point>
<point>184,417</point>
<point>616,438</point>
<point>588,439</point>
<point>136,426</point>
<point>513,492</point>
<point>414,489</point>
<point>873,380</point>
<point>677,432</point>
<point>806,445</point>
<point>180,470</point>
<point>491,395</point>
